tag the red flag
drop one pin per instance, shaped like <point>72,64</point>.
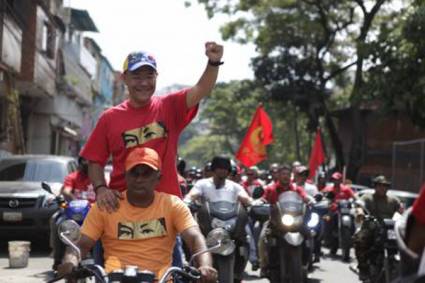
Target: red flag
<point>253,147</point>
<point>317,156</point>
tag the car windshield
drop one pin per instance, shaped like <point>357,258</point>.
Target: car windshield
<point>34,170</point>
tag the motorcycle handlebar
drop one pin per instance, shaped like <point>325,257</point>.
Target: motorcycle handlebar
<point>187,272</point>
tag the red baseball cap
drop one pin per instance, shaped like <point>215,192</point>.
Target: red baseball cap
<point>418,209</point>
<point>337,176</point>
<point>143,155</point>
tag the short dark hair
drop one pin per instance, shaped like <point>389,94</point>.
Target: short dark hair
<point>220,162</point>
<point>284,167</point>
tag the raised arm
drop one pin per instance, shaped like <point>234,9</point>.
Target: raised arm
<point>207,81</point>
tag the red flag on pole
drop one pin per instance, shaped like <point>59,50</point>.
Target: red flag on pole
<point>317,156</point>
<point>253,147</point>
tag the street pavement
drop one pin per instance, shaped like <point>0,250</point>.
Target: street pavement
<point>38,270</point>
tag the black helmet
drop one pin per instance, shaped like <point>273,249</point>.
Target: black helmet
<point>220,162</point>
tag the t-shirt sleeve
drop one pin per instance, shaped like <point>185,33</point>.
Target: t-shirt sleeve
<point>177,102</point>
<point>93,224</point>
<point>68,182</point>
<point>182,217</point>
<point>241,191</point>
<point>96,149</point>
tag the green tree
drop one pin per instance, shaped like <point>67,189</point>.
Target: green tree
<point>310,49</point>
<point>225,117</point>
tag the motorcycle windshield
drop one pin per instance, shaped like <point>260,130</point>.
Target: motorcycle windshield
<point>291,203</point>
<point>223,209</point>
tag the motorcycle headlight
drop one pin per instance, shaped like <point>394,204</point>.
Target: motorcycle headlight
<point>314,220</point>
<point>288,220</point>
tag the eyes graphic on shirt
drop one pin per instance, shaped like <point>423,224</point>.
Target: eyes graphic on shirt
<point>125,232</point>
<point>142,229</point>
<point>142,135</point>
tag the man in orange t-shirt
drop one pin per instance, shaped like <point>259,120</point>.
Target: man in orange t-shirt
<point>143,230</point>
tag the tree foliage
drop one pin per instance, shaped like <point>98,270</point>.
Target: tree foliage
<point>225,117</point>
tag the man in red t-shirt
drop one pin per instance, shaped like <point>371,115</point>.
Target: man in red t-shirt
<point>145,120</point>
<point>271,195</point>
<point>339,190</point>
<point>77,185</point>
<point>252,182</point>
<point>283,184</point>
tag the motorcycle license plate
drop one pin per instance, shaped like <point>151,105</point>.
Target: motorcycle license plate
<point>391,235</point>
<point>12,216</point>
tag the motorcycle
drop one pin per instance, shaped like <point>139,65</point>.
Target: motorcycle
<point>231,218</point>
<point>69,233</point>
<point>286,244</point>
<point>340,228</point>
<point>383,255</point>
<point>76,210</point>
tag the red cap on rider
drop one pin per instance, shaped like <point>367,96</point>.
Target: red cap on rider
<point>337,176</point>
<point>418,209</point>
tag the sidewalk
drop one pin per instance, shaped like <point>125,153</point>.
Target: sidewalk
<point>38,269</point>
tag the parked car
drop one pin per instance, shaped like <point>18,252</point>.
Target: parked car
<point>407,198</point>
<point>25,208</point>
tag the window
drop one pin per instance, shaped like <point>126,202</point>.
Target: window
<point>48,44</point>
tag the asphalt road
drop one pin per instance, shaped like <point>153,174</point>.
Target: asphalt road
<point>38,270</point>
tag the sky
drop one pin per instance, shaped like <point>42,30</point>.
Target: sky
<point>173,33</point>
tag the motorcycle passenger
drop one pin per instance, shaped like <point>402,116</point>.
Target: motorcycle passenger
<point>381,206</point>
<point>271,195</point>
<point>339,192</point>
<point>301,176</point>
<point>274,172</point>
<point>143,230</point>
<point>410,233</point>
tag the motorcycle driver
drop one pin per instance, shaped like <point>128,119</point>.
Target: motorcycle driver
<point>271,195</point>
<point>77,184</point>
<point>380,206</point>
<point>336,192</point>
<point>218,186</point>
<point>143,230</point>
<point>252,182</point>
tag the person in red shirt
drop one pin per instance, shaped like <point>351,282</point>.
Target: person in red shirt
<point>339,190</point>
<point>271,195</point>
<point>252,182</point>
<point>272,192</point>
<point>145,120</point>
<point>77,184</point>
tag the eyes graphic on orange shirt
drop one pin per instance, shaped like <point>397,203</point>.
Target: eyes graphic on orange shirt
<point>142,135</point>
<point>141,229</point>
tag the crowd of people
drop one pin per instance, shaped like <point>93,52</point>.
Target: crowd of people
<point>139,215</point>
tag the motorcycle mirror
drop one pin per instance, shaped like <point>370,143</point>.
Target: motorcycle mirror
<point>69,233</point>
<point>220,242</point>
<point>46,187</point>
<point>257,192</point>
<point>330,195</point>
<point>318,197</point>
<point>70,230</point>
